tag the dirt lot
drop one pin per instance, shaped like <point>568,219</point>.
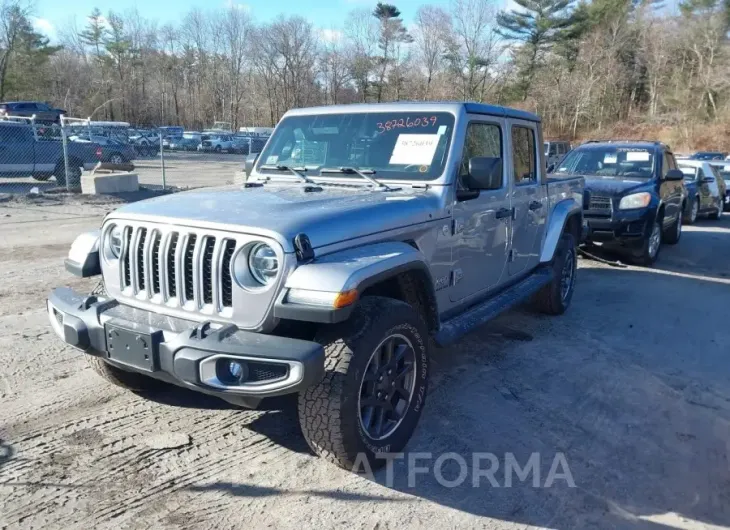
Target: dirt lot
<point>632,385</point>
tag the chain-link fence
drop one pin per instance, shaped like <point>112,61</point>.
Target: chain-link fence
<point>38,157</point>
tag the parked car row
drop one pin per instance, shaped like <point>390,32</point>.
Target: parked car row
<point>216,142</point>
<point>637,195</point>
<point>24,152</point>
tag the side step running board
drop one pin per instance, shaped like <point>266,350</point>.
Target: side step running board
<point>452,330</point>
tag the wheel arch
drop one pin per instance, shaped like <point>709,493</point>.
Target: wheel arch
<point>412,285</point>
<point>393,269</point>
<point>564,216</point>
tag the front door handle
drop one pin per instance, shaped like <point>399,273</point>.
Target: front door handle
<point>504,213</point>
<point>535,205</point>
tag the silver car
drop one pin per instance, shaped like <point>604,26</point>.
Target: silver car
<point>706,189</point>
<point>555,150</point>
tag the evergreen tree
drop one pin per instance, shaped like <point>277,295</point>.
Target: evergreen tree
<point>24,50</point>
<point>392,32</point>
<point>539,25</point>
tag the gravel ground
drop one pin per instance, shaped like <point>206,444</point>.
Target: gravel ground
<point>631,385</point>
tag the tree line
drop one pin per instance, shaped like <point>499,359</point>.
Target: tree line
<point>583,66</point>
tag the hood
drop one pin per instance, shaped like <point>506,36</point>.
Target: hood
<point>615,186</point>
<point>329,216</point>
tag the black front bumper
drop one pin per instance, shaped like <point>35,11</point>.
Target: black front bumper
<point>625,228</point>
<point>184,352</point>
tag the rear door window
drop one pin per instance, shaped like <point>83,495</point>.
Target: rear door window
<point>523,155</point>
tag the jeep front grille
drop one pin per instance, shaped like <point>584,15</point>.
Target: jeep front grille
<point>177,268</point>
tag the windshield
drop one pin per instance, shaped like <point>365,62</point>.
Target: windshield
<point>395,145</point>
<point>610,161</point>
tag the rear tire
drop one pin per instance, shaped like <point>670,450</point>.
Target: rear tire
<point>336,423</point>
<point>691,216</point>
<point>717,213</point>
<point>673,235</point>
<point>555,297</point>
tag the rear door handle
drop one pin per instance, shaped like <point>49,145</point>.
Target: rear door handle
<point>504,213</point>
<point>535,205</point>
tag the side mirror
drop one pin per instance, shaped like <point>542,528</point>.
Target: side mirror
<point>485,173</point>
<point>250,162</point>
<point>674,174</point>
<point>551,168</point>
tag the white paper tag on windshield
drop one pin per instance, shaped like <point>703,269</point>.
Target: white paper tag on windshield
<point>273,159</point>
<point>610,159</point>
<point>637,156</point>
<point>415,149</point>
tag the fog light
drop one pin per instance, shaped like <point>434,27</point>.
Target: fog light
<point>238,371</point>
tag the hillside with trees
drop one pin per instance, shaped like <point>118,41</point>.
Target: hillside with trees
<point>598,68</point>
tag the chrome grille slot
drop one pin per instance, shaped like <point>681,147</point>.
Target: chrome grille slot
<point>226,274</point>
<point>187,268</point>
<point>139,262</point>
<point>207,269</point>
<point>126,259</point>
<point>155,266</point>
<point>172,265</point>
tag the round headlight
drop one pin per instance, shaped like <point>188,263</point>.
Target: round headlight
<point>115,240</point>
<point>263,263</point>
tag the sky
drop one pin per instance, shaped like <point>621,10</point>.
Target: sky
<point>53,15</point>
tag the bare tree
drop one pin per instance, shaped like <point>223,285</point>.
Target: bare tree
<point>433,31</point>
<point>473,49</point>
<point>361,33</point>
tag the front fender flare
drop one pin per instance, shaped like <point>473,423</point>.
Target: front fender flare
<point>356,268</point>
<point>559,217</point>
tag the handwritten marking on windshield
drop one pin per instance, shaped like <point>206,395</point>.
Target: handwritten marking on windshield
<point>406,123</point>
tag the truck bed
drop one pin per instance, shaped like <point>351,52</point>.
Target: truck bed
<point>560,188</point>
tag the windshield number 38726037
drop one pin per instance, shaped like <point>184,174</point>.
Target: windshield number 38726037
<point>406,123</point>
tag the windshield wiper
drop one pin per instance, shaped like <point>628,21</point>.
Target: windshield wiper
<point>297,171</point>
<point>352,171</point>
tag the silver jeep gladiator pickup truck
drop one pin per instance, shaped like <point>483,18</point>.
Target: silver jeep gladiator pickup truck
<point>364,236</point>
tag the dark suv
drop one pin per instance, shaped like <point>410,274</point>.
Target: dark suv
<point>42,111</point>
<point>634,195</point>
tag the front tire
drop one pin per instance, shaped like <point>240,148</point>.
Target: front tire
<point>116,376</point>
<point>555,297</point>
<point>374,388</point>
<point>649,251</point>
<point>74,173</point>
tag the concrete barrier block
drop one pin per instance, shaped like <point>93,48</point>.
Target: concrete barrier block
<point>112,183</point>
<point>240,178</point>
